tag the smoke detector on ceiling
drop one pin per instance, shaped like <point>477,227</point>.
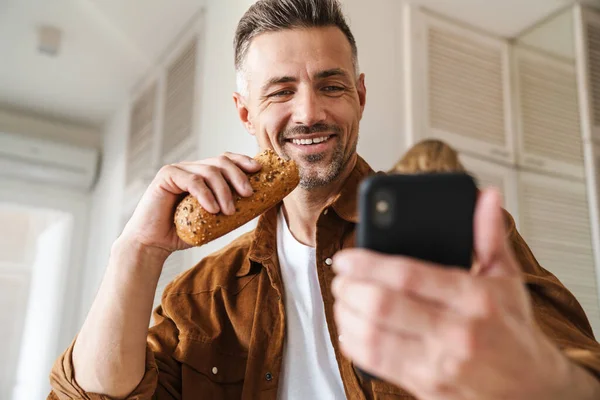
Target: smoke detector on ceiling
<point>49,40</point>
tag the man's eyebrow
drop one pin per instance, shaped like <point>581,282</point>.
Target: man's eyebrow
<point>331,72</point>
<point>277,80</point>
<point>319,75</point>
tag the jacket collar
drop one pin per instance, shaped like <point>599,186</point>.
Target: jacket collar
<point>345,205</point>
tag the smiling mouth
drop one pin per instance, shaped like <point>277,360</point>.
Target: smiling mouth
<point>308,142</point>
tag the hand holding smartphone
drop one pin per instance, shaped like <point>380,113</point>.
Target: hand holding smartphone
<point>424,216</point>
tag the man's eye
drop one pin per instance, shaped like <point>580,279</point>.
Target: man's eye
<point>282,93</point>
<point>333,88</point>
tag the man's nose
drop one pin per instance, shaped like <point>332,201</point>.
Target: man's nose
<point>308,109</point>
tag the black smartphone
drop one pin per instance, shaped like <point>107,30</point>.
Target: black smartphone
<point>423,216</point>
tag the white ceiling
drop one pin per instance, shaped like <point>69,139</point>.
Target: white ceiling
<point>107,46</point>
<point>505,18</point>
<point>556,36</point>
<point>110,44</point>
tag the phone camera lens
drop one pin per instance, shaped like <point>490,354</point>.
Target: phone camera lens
<point>382,209</point>
<point>382,206</point>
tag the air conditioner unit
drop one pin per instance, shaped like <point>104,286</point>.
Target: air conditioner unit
<point>50,162</point>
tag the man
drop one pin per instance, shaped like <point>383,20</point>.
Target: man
<point>258,319</point>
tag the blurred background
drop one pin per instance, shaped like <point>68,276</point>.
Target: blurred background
<point>96,95</point>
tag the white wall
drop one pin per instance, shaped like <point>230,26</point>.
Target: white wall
<point>377,26</point>
<point>220,128</point>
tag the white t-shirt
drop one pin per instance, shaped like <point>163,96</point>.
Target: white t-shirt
<point>309,369</point>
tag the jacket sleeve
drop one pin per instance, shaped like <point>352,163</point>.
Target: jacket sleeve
<point>161,381</point>
<point>558,313</point>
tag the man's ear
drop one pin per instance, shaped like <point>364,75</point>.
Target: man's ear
<point>243,112</point>
<point>362,93</point>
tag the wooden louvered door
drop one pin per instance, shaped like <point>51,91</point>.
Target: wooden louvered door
<point>590,53</point>
<point>554,220</point>
<point>593,182</point>
<point>140,163</point>
<point>587,33</point>
<point>549,127</point>
<point>596,172</point>
<point>178,138</point>
<point>488,174</point>
<point>464,76</point>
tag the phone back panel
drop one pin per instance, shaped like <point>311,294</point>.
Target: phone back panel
<point>425,216</point>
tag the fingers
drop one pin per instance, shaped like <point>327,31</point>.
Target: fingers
<point>177,180</point>
<point>369,347</point>
<point>398,312</point>
<point>215,180</point>
<point>247,164</point>
<point>211,181</point>
<point>234,172</point>
<point>199,189</point>
<point>491,246</point>
<point>236,166</point>
<point>406,275</point>
<point>220,188</point>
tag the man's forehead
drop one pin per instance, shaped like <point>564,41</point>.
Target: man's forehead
<point>276,53</point>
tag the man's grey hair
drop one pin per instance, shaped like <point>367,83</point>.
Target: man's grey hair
<point>277,15</point>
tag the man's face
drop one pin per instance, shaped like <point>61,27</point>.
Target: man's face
<point>304,100</point>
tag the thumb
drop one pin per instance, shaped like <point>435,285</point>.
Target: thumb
<point>491,245</point>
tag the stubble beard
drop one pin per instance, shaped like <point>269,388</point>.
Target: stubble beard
<point>314,177</point>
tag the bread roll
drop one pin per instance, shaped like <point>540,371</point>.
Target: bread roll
<point>276,179</point>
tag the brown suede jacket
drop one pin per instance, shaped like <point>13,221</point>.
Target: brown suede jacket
<point>220,331</point>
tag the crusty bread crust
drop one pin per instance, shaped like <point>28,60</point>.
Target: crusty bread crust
<point>276,179</point>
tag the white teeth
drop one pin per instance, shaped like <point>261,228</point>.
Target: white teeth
<point>310,141</point>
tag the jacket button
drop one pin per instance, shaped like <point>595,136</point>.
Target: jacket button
<point>215,370</point>
<point>268,376</point>
<point>329,262</point>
